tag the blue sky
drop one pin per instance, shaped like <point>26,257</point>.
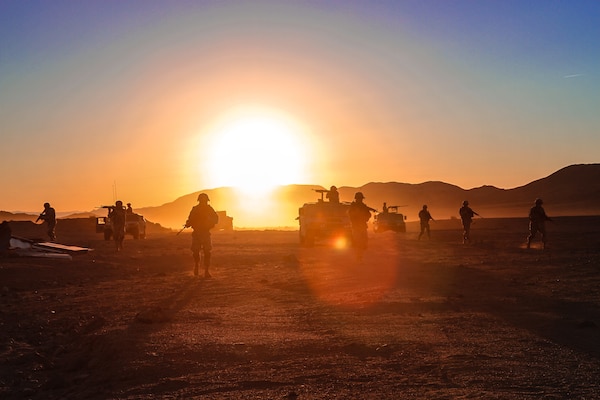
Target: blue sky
<point>110,93</point>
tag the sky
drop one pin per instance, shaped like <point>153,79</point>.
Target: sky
<point>147,101</point>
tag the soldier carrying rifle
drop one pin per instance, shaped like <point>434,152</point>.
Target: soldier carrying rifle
<point>49,216</point>
<point>202,219</point>
<point>359,214</point>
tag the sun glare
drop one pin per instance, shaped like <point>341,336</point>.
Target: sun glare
<point>254,151</point>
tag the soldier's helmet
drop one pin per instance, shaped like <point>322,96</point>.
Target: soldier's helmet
<point>465,203</point>
<point>424,206</point>
<point>119,203</point>
<point>46,205</point>
<point>359,195</point>
<point>203,197</point>
<point>539,202</point>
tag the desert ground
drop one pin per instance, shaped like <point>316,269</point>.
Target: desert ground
<point>429,319</point>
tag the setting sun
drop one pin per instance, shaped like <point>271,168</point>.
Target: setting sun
<point>255,150</point>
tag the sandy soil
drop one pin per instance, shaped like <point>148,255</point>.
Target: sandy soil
<point>430,319</point>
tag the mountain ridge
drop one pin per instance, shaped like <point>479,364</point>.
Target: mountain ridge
<point>572,190</point>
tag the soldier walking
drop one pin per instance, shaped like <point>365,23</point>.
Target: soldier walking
<point>116,214</point>
<point>537,222</point>
<point>424,217</point>
<point>359,214</point>
<point>466,215</point>
<point>49,216</point>
<point>202,219</point>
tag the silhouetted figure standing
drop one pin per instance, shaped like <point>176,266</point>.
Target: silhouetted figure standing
<point>333,195</point>
<point>384,208</point>
<point>202,219</point>
<point>359,214</point>
<point>129,209</point>
<point>466,215</point>
<point>49,217</point>
<point>537,222</point>
<point>116,214</point>
<point>424,217</point>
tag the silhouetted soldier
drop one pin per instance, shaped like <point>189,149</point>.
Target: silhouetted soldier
<point>384,208</point>
<point>424,217</point>
<point>466,215</point>
<point>202,219</point>
<point>359,214</point>
<point>537,222</point>
<point>129,209</point>
<point>116,215</point>
<point>49,216</point>
<point>333,195</point>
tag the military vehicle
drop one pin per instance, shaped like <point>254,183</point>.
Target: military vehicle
<point>391,220</point>
<point>324,220</point>
<point>135,225</point>
<point>225,222</point>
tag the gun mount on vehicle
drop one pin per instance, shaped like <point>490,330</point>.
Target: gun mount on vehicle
<point>324,220</point>
<point>135,225</point>
<point>391,220</point>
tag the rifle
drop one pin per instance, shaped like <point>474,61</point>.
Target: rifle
<point>41,216</point>
<point>181,230</point>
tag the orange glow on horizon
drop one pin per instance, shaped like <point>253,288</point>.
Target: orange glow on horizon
<point>253,150</point>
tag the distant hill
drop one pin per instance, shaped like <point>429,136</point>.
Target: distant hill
<point>8,216</point>
<point>82,215</point>
<point>21,216</point>
<point>280,210</point>
<point>573,190</point>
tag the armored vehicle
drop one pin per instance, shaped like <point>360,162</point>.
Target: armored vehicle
<point>225,222</point>
<point>324,220</point>
<point>135,225</point>
<point>391,220</point>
